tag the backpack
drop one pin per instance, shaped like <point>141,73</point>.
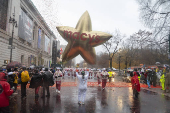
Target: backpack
<point>25,76</point>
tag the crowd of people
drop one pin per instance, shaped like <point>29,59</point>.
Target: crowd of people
<point>152,77</point>
<point>45,77</point>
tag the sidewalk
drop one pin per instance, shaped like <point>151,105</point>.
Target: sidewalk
<point>156,89</point>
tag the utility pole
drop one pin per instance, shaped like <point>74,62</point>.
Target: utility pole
<point>14,23</point>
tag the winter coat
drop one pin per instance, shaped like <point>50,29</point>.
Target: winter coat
<point>135,82</point>
<point>36,80</point>
<point>149,76</point>
<point>58,74</point>
<point>98,75</point>
<point>154,76</point>
<point>110,74</point>
<point>47,79</point>
<point>162,79</point>
<point>105,74</point>
<point>5,92</point>
<point>142,77</point>
<point>82,84</point>
<point>16,78</point>
<point>11,76</point>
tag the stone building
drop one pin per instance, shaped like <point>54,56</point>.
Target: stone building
<point>32,38</point>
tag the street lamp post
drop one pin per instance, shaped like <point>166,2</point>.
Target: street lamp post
<point>119,63</point>
<point>119,59</point>
<point>14,23</point>
<point>126,62</point>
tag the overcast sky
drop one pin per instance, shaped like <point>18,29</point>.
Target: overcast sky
<point>106,15</point>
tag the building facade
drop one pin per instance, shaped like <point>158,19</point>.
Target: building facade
<point>32,38</point>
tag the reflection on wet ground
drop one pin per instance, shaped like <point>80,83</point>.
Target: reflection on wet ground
<point>149,92</point>
<point>110,100</point>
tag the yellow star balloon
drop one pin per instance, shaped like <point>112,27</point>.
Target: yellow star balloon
<point>82,40</point>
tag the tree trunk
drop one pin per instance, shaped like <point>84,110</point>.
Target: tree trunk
<point>111,63</point>
<point>130,63</point>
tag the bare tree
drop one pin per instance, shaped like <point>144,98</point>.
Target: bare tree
<point>112,45</point>
<point>156,15</point>
<point>140,48</point>
<point>102,60</point>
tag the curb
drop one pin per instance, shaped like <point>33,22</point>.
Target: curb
<point>161,93</point>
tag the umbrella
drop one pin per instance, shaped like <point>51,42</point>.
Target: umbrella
<point>13,65</point>
<point>32,66</point>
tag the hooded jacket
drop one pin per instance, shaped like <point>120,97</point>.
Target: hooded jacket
<point>5,91</point>
<point>58,74</point>
<point>135,82</point>
<point>82,84</point>
<point>104,74</point>
<point>36,80</point>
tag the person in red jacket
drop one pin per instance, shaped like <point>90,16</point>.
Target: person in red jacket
<point>135,84</point>
<point>5,92</point>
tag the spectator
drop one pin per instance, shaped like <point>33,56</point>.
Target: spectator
<point>36,82</point>
<point>47,81</point>
<point>5,92</point>
<point>24,76</point>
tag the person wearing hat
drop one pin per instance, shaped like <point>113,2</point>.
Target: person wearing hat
<point>71,73</point>
<point>10,77</point>
<point>36,82</point>
<point>162,80</point>
<point>95,73</point>
<point>24,76</point>
<point>82,86</point>
<point>15,83</point>
<point>47,77</point>
<point>135,84</point>
<point>99,77</point>
<point>89,74</point>
<point>74,71</point>
<point>105,75</point>
<point>149,75</point>
<point>5,92</point>
<point>110,75</point>
<point>58,76</point>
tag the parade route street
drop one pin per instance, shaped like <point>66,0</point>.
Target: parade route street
<point>111,100</point>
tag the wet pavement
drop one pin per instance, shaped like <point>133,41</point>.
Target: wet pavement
<point>110,100</point>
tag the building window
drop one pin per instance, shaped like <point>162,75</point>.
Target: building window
<point>3,13</point>
<point>33,32</point>
<point>22,59</point>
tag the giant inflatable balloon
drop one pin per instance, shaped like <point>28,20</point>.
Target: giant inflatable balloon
<point>82,40</point>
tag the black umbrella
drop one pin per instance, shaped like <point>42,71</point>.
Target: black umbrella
<point>13,65</point>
